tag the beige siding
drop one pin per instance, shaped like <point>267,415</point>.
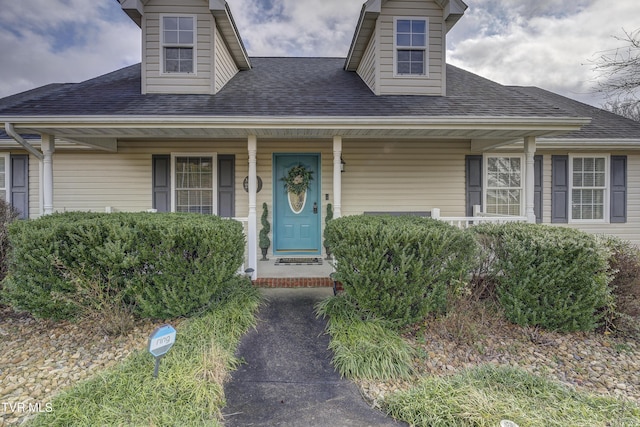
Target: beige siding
<point>627,231</point>
<point>34,187</point>
<point>433,83</point>
<point>367,68</point>
<point>404,176</point>
<point>225,68</point>
<point>156,81</point>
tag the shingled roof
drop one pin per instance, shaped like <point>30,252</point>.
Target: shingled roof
<point>604,124</point>
<point>285,87</point>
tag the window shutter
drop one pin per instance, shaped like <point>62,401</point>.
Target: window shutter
<point>618,189</point>
<point>226,185</point>
<point>161,165</point>
<point>20,184</point>
<point>537,190</point>
<point>560,189</point>
<point>473,182</point>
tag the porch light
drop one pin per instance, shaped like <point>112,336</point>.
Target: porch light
<point>342,164</point>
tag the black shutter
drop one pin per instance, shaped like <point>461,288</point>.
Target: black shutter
<point>161,165</point>
<point>19,197</point>
<point>618,189</point>
<point>537,189</point>
<point>473,172</point>
<point>226,185</point>
<point>560,189</point>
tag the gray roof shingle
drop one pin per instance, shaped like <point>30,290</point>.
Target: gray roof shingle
<point>284,87</point>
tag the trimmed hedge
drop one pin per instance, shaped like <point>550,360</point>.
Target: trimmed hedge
<point>554,277</point>
<point>399,268</point>
<point>163,265</point>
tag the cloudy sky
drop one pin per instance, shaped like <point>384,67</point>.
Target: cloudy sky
<point>547,43</point>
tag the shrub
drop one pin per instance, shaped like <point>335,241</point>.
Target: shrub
<point>164,265</point>
<point>624,262</point>
<point>399,268</point>
<point>7,215</point>
<point>554,277</point>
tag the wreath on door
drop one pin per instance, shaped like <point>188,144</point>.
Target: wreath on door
<point>297,180</point>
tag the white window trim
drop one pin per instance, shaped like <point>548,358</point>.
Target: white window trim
<point>193,46</point>
<point>485,178</point>
<point>214,179</point>
<point>7,177</point>
<point>396,48</point>
<point>607,188</point>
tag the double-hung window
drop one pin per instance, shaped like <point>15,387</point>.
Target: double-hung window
<point>178,44</point>
<point>589,180</point>
<point>194,183</point>
<point>410,45</point>
<point>504,192</point>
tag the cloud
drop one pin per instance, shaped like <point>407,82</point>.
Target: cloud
<point>45,41</point>
<point>549,43</point>
<point>296,27</point>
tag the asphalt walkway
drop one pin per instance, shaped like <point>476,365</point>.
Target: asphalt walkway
<point>288,379</point>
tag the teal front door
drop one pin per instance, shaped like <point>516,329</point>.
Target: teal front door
<point>297,218</point>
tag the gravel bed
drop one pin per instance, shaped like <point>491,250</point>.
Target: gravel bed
<point>592,362</point>
<point>39,358</point>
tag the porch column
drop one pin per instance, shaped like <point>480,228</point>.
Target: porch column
<point>337,176</point>
<point>529,151</point>
<point>252,232</point>
<point>48,148</point>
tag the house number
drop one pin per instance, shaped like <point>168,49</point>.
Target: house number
<point>245,184</point>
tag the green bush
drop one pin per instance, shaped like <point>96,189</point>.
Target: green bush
<point>399,268</point>
<point>163,265</point>
<point>7,215</point>
<point>554,277</point>
<point>623,315</point>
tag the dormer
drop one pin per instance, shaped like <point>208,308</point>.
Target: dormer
<point>399,45</point>
<point>188,46</point>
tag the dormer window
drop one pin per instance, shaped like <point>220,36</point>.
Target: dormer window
<point>178,44</point>
<point>410,45</point>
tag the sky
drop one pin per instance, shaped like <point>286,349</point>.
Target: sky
<point>551,44</point>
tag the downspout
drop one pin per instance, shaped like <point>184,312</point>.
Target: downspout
<point>8,127</point>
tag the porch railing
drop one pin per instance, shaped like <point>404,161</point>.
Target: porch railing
<point>477,218</point>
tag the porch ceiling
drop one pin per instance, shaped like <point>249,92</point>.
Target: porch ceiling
<point>481,131</point>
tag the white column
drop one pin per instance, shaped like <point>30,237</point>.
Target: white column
<point>337,176</point>
<point>252,232</point>
<point>48,148</point>
<point>529,151</point>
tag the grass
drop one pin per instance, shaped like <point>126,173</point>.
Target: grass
<point>189,388</point>
<point>366,348</point>
<point>485,395</point>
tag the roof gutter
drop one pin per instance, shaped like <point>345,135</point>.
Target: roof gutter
<point>8,127</point>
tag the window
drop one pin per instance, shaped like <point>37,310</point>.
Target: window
<point>588,187</point>
<point>410,47</point>
<point>178,44</point>
<point>504,185</point>
<point>4,177</point>
<point>194,184</point>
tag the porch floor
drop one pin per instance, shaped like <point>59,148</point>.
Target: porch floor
<point>290,276</point>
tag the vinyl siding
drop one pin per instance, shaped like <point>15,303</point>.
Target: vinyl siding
<point>201,80</point>
<point>367,68</point>
<point>627,231</point>
<point>225,68</point>
<point>404,176</point>
<point>433,82</point>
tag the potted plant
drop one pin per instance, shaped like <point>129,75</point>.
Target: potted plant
<point>264,241</point>
<point>328,218</point>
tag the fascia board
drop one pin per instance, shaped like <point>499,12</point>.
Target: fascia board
<point>221,11</point>
<point>369,12</point>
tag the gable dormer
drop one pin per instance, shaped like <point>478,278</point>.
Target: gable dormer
<point>399,45</point>
<point>188,46</point>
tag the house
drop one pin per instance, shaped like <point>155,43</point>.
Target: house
<point>199,126</point>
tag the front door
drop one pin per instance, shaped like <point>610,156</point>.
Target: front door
<point>297,217</point>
